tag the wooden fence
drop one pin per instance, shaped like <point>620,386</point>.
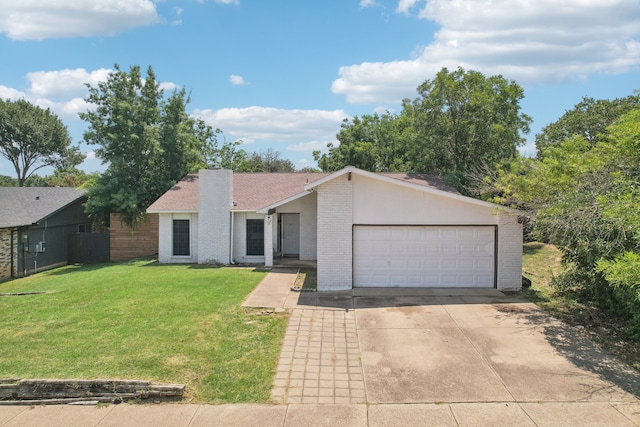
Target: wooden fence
<point>88,248</point>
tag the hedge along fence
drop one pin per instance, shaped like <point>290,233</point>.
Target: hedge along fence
<point>125,245</point>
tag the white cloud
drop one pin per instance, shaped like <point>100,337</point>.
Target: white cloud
<point>41,19</point>
<point>11,93</point>
<point>273,124</point>
<point>168,86</point>
<point>237,80</point>
<point>178,11</point>
<point>63,91</point>
<point>310,147</point>
<point>367,3</point>
<point>405,5</point>
<point>245,140</point>
<point>531,42</point>
<point>67,109</point>
<point>236,2</point>
<point>64,83</point>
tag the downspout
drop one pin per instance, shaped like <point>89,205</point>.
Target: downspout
<point>231,241</point>
<point>12,254</point>
<point>24,254</point>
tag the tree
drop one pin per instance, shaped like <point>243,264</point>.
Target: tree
<point>589,119</point>
<point>377,143</point>
<point>8,181</point>
<point>148,141</point>
<point>584,197</point>
<point>32,138</point>
<point>268,160</point>
<point>461,121</point>
<point>68,177</point>
<point>464,119</point>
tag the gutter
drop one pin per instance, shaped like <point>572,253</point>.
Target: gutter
<point>231,262</point>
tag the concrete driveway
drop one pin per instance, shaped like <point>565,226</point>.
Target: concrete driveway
<point>456,353</point>
<point>482,348</point>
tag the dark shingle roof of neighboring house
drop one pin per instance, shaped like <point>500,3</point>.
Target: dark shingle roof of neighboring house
<point>253,191</point>
<point>20,206</point>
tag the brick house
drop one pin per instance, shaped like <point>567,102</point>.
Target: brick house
<point>363,229</point>
<point>36,224</point>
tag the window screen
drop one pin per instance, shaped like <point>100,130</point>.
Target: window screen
<point>255,237</point>
<point>181,246</point>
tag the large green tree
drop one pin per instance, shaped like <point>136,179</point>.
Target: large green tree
<point>584,196</point>
<point>464,119</point>
<point>147,140</point>
<point>32,138</point>
<point>461,121</point>
<point>589,118</point>
<point>377,143</point>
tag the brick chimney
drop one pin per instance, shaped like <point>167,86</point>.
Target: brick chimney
<point>214,215</point>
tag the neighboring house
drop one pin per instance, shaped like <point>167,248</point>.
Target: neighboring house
<point>35,227</point>
<point>364,229</point>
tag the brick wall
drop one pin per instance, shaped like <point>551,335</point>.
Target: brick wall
<point>335,235</point>
<point>5,253</point>
<point>509,252</point>
<point>142,243</point>
<point>215,188</point>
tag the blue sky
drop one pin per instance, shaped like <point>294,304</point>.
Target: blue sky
<point>284,74</point>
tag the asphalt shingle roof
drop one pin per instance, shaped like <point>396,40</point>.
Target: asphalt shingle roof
<point>253,191</point>
<point>21,206</point>
<point>181,197</point>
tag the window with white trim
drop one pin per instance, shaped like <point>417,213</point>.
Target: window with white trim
<point>255,237</point>
<point>181,238</point>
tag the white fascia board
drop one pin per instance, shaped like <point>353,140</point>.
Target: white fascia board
<point>284,201</point>
<point>422,188</point>
<point>310,186</point>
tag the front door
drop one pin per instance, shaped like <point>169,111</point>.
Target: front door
<point>291,234</point>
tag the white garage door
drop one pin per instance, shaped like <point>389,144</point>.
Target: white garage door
<point>424,256</point>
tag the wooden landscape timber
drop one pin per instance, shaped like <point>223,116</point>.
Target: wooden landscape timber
<point>64,391</point>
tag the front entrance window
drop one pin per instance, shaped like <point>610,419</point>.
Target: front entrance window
<point>255,237</point>
<point>181,244</point>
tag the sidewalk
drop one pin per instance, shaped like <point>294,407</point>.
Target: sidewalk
<point>583,414</point>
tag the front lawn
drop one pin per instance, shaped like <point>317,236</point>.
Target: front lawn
<point>141,320</point>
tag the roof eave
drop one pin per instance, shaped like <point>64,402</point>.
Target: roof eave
<point>168,211</point>
<point>459,197</point>
<point>284,201</point>
<point>46,217</point>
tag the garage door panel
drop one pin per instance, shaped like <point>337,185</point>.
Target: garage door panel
<point>467,281</point>
<point>467,264</point>
<point>484,281</point>
<point>424,256</point>
<point>448,264</point>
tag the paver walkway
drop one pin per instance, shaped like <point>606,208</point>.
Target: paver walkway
<point>320,359</point>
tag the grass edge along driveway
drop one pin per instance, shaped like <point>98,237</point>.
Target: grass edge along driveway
<point>142,320</point>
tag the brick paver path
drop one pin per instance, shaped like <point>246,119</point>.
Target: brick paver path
<point>320,359</point>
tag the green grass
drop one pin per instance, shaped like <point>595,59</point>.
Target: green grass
<point>540,263</point>
<point>141,320</point>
